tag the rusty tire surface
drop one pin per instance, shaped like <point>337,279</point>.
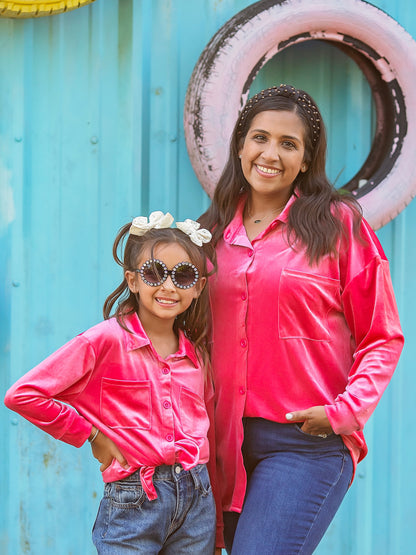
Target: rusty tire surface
<point>385,52</point>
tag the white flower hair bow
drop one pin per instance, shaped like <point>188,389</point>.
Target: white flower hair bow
<point>157,220</point>
<point>197,235</point>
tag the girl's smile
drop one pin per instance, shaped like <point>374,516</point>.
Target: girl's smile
<point>165,301</point>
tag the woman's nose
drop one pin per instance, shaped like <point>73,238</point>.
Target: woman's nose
<point>271,151</point>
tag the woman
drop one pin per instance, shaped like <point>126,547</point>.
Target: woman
<point>306,333</point>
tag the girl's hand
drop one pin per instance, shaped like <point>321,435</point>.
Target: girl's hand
<point>105,450</point>
<point>315,421</point>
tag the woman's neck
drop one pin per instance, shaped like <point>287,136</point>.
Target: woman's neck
<point>260,212</point>
<point>261,206</point>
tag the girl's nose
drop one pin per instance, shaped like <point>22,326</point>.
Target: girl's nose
<point>168,284</point>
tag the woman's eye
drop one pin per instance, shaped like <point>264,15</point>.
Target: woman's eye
<point>289,144</point>
<point>259,138</point>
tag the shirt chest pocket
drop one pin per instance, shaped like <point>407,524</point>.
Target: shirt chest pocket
<point>192,413</point>
<point>306,302</point>
<point>126,403</point>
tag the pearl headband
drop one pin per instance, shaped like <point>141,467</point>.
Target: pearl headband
<point>298,96</point>
<point>159,220</point>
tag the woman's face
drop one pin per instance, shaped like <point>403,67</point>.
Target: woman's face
<point>273,152</point>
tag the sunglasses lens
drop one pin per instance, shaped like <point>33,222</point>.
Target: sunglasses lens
<point>185,275</point>
<point>153,273</point>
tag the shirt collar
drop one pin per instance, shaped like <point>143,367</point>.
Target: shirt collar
<point>186,349</point>
<point>137,338</point>
<point>235,232</point>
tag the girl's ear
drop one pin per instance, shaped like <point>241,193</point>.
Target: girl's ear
<point>132,281</point>
<point>200,287</point>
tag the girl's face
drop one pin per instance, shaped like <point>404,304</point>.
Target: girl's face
<point>272,153</point>
<point>165,301</point>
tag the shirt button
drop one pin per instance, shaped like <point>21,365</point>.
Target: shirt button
<point>165,370</point>
<point>166,405</point>
<point>250,253</point>
<point>243,296</point>
<point>178,469</point>
<point>169,437</point>
<point>242,390</point>
<point>243,343</point>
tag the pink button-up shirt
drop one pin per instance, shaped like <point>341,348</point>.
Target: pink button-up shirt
<point>152,408</point>
<point>288,336</point>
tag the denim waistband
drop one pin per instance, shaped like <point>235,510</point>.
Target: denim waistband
<point>265,433</point>
<point>166,472</point>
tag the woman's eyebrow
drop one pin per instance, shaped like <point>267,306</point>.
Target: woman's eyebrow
<point>294,137</point>
<point>259,131</point>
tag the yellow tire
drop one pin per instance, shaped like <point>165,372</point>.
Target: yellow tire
<point>29,8</point>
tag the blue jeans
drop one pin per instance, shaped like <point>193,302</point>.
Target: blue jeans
<point>180,520</point>
<point>296,483</point>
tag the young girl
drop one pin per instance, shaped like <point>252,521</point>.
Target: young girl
<point>134,386</point>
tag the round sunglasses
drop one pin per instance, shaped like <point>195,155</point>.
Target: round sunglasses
<point>155,272</point>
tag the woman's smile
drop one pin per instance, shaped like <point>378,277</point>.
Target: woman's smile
<point>267,170</point>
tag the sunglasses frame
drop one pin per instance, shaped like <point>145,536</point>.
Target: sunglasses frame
<point>172,273</point>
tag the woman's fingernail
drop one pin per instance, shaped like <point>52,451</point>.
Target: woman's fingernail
<point>289,416</point>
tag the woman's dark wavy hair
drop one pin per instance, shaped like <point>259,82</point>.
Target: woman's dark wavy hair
<point>314,216</point>
<point>195,321</point>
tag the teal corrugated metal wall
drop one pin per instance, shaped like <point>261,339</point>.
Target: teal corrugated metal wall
<point>91,134</point>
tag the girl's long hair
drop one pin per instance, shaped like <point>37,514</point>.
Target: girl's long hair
<point>195,322</point>
<point>314,216</point>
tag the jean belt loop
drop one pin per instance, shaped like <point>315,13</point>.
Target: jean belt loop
<point>195,476</point>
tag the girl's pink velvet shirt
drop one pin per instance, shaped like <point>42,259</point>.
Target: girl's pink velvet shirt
<point>288,336</point>
<point>152,408</point>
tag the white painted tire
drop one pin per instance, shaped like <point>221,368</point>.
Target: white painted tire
<point>386,53</point>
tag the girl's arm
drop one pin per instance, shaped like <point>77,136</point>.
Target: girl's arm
<point>44,395</point>
<point>105,450</point>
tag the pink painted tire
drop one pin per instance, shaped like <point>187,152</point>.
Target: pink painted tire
<point>385,52</point>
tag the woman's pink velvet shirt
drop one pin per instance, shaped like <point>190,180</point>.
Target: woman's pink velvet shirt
<point>288,336</point>
<point>152,408</point>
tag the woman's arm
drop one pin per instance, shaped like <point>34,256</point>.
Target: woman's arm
<point>371,313</point>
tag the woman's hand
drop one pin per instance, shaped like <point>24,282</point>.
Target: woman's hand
<point>315,421</point>
<point>105,450</point>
